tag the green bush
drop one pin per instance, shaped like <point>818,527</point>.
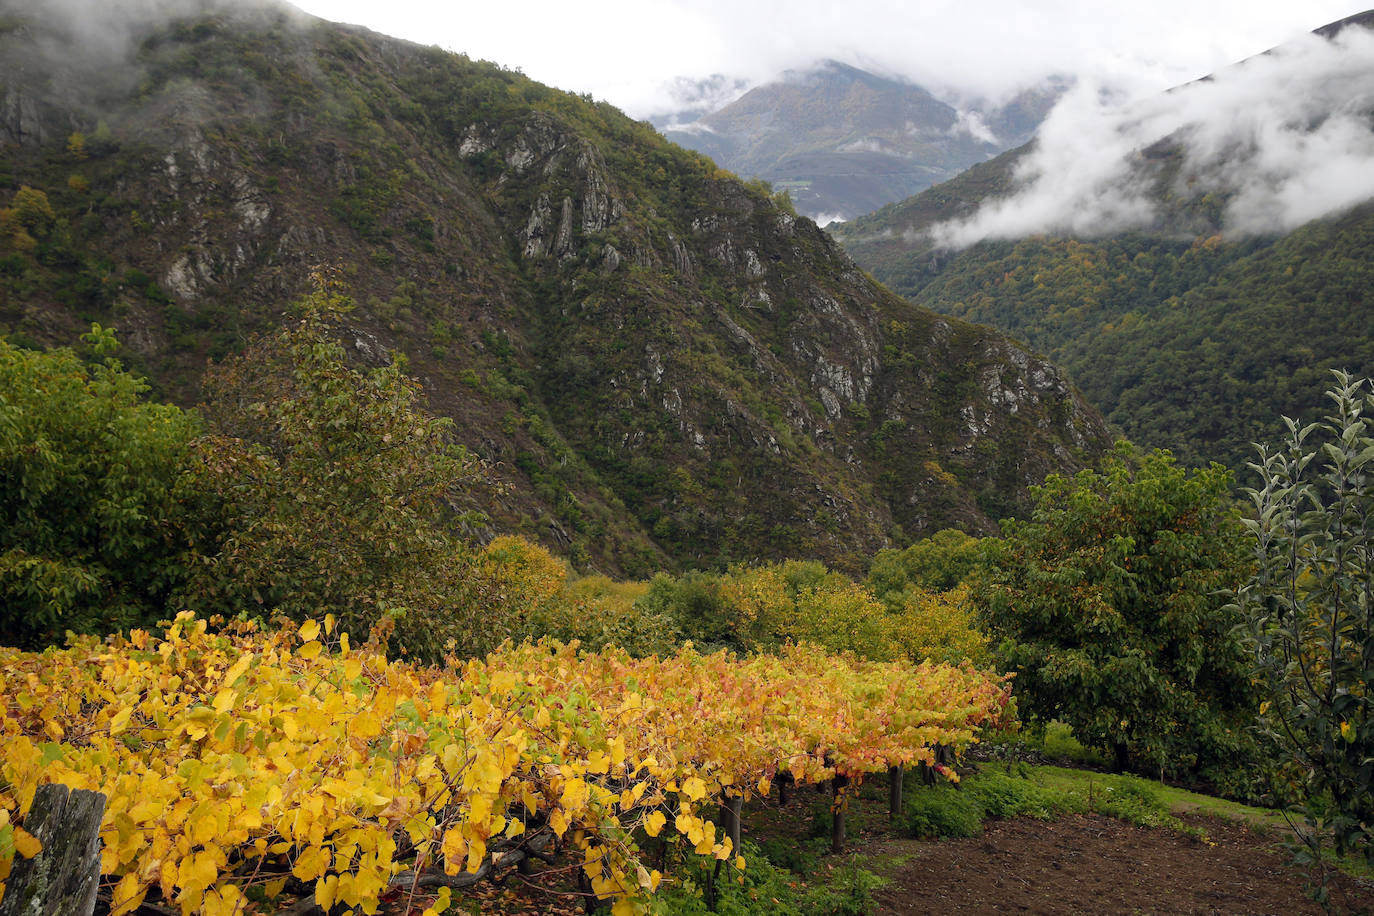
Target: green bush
<point>1001,795</point>
<point>798,858</point>
<point>943,811</point>
<point>1135,802</point>
<point>764,889</point>
<point>850,893</point>
<point>95,513</point>
<point>1310,613</point>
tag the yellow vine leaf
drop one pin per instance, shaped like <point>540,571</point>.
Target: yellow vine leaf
<point>236,670</point>
<point>694,788</point>
<point>26,844</point>
<point>326,891</point>
<point>224,700</point>
<point>441,902</point>
<point>574,795</point>
<point>454,848</point>
<point>654,823</point>
<point>309,630</point>
<point>127,895</point>
<point>312,863</point>
<point>120,720</point>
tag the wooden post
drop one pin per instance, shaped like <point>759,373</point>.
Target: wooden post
<point>927,774</point>
<point>63,878</point>
<point>894,793</point>
<point>837,817</point>
<point>730,819</point>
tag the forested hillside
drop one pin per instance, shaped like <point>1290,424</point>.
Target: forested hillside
<point>1193,327</point>
<point>663,365</point>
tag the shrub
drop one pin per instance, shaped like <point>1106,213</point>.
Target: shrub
<point>94,513</point>
<point>1310,612</point>
<point>338,493</point>
<point>943,811</point>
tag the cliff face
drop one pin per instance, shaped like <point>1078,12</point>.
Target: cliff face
<point>665,367</point>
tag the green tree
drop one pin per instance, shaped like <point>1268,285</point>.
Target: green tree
<point>94,513</point>
<point>338,492</point>
<point>934,564</point>
<point>1310,612</point>
<point>29,217</point>
<point>1107,602</point>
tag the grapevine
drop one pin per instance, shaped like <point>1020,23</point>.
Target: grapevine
<point>240,761</point>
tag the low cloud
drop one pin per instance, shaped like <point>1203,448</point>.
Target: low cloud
<point>104,30</point>
<point>971,123</point>
<point>1284,138</point>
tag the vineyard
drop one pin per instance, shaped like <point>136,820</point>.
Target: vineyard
<point>242,764</point>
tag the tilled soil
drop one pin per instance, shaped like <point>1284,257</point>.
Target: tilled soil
<point>1092,864</point>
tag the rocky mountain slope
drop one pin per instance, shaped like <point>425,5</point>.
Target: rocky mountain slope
<point>1186,286</point>
<point>665,367</point>
<point>843,141</point>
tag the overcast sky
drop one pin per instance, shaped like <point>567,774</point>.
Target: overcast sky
<point>626,51</point>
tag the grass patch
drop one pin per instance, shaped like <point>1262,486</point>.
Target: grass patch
<point>766,888</point>
<point>1169,799</point>
<point>1021,790</point>
<point>1043,742</point>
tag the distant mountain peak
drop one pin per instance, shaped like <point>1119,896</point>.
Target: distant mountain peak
<point>843,140</point>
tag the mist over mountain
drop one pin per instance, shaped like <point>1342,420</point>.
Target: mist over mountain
<point>1199,260</point>
<point>665,367</point>
<point>844,141</point>
<point>1279,139</point>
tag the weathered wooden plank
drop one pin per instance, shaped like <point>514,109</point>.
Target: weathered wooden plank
<point>63,878</point>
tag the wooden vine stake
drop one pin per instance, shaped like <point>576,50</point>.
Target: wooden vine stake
<point>837,816</point>
<point>730,810</point>
<point>63,878</point>
<point>894,793</point>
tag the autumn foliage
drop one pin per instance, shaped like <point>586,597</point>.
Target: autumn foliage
<point>249,763</point>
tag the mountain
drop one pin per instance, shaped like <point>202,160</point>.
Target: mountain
<point>1199,261</point>
<point>843,141</point>
<point>665,367</point>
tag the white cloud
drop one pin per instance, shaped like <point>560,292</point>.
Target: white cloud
<point>631,51</point>
<point>971,123</point>
<point>1285,136</point>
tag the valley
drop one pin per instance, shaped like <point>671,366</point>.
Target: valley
<point>423,489</point>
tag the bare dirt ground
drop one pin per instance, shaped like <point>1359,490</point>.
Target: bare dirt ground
<point>1079,864</point>
<point>1093,864</point>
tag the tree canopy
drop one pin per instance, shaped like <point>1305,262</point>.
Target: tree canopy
<point>1108,602</point>
<point>95,514</point>
<point>337,491</point>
